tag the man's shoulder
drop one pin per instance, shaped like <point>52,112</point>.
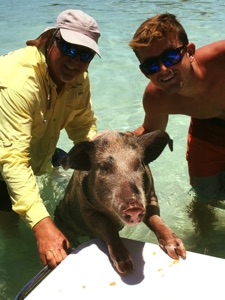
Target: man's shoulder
<point>213,49</point>
<point>215,44</point>
<point>151,91</point>
<point>18,55</point>
<point>17,66</point>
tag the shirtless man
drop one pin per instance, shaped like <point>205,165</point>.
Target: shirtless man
<point>186,81</point>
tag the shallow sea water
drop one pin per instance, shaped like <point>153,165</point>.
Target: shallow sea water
<point>117,88</point>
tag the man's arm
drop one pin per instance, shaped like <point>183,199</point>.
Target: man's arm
<point>15,136</point>
<point>156,116</point>
<point>52,245</point>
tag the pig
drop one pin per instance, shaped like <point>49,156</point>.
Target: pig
<point>112,186</point>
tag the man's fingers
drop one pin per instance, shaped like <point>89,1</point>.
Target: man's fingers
<point>53,258</point>
<point>63,253</point>
<point>50,259</point>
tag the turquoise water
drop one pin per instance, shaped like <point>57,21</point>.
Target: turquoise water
<point>117,88</point>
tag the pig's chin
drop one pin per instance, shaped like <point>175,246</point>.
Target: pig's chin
<point>133,216</point>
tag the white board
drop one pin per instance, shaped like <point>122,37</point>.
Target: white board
<point>87,273</point>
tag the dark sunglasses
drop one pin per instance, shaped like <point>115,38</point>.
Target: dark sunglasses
<point>168,58</point>
<point>72,51</point>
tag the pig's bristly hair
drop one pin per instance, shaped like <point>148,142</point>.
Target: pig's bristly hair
<point>149,145</point>
<point>117,137</point>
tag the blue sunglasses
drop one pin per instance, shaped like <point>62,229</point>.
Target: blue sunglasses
<point>72,51</point>
<point>168,58</point>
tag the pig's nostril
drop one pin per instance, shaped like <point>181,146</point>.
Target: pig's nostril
<point>133,216</point>
<point>141,215</point>
<point>128,218</point>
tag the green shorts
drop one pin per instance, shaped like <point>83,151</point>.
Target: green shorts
<point>210,188</point>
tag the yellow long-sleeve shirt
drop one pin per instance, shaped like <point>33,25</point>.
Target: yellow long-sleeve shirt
<point>32,114</point>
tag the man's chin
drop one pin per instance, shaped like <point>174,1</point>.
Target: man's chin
<point>173,90</point>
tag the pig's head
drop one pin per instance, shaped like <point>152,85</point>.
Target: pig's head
<point>115,166</point>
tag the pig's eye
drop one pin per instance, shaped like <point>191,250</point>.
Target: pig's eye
<point>104,167</point>
<point>137,165</point>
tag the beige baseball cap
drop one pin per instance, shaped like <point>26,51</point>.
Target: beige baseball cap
<point>76,27</point>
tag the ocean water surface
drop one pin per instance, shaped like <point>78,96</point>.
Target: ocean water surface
<point>117,87</point>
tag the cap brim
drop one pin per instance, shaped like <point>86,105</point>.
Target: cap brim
<point>77,38</point>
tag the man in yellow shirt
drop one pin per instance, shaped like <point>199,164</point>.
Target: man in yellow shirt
<point>44,88</point>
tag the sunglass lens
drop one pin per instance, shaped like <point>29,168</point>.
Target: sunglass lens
<point>171,58</point>
<point>86,56</point>
<point>71,51</point>
<point>149,68</point>
<point>68,50</point>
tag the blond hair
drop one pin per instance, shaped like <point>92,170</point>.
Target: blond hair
<point>158,27</point>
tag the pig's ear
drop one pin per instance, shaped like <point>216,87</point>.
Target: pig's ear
<point>78,157</point>
<point>153,144</point>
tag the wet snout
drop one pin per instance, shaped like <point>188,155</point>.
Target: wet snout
<point>130,203</point>
<point>134,214</point>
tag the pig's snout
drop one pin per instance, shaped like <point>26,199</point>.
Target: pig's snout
<point>134,214</point>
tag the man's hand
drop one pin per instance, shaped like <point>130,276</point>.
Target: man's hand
<point>53,246</point>
<point>99,134</point>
